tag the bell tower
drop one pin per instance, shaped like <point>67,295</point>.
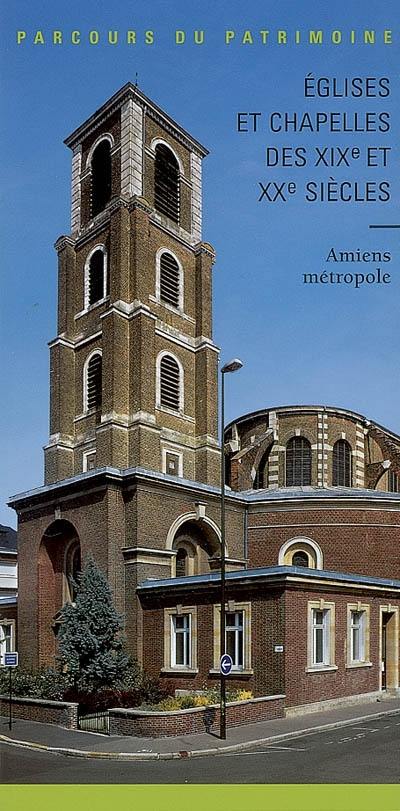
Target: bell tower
<point>133,369</point>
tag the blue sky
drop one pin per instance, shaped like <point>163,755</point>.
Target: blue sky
<point>328,344</point>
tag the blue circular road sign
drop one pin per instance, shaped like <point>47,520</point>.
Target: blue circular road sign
<point>226,664</point>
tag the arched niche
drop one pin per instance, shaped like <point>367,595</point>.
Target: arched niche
<point>197,546</point>
<point>58,568</point>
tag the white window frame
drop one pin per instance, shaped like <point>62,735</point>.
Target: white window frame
<point>173,309</point>
<point>97,351</point>
<point>6,623</point>
<point>238,629</point>
<point>170,664</point>
<point>186,634</point>
<point>318,627</point>
<point>327,626</point>
<point>363,611</point>
<point>232,607</point>
<point>160,356</point>
<point>86,305</point>
<point>357,628</point>
<point>85,457</point>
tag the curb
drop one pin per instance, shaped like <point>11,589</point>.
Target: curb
<point>236,747</point>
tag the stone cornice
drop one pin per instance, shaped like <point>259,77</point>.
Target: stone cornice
<point>63,241</point>
<point>271,502</point>
<point>205,247</point>
<point>130,91</point>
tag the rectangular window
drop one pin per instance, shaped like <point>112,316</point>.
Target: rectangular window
<point>321,632</point>
<point>88,460</point>
<point>357,643</point>
<point>172,463</point>
<point>234,637</point>
<point>180,640</point>
<point>321,636</point>
<point>238,635</point>
<point>357,634</point>
<point>6,639</point>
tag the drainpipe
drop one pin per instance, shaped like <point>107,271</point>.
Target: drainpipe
<point>323,445</point>
<point>246,536</point>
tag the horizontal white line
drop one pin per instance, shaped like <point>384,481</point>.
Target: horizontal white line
<point>366,729</point>
<point>264,752</point>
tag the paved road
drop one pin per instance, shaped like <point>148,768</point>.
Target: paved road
<point>363,753</point>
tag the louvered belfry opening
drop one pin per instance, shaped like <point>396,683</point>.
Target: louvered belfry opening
<point>166,183</point>
<point>341,468</point>
<point>94,382</point>
<point>96,277</point>
<point>298,462</point>
<point>101,177</point>
<point>169,279</point>
<point>169,383</point>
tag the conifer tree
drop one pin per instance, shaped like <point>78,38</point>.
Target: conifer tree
<point>90,645</point>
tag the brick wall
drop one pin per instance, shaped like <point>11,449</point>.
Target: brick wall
<point>266,676</point>
<point>45,712</point>
<point>302,687</point>
<point>198,719</point>
<point>364,541</point>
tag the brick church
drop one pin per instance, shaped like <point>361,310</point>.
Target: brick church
<point>132,466</point>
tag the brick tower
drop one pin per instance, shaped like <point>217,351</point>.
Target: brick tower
<point>133,366</point>
<point>132,464</point>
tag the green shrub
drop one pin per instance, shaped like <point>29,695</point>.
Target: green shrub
<point>186,702</point>
<point>46,683</point>
<point>167,704</point>
<point>90,640</point>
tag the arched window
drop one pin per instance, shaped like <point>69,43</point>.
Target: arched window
<point>298,462</point>
<point>73,568</point>
<point>95,277</point>
<point>169,280</point>
<point>181,562</point>
<point>93,381</point>
<point>341,464</point>
<point>301,559</point>
<point>301,552</point>
<point>101,176</point>
<point>170,394</point>
<point>166,183</point>
<point>261,477</point>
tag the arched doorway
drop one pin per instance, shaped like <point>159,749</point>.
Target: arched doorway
<point>59,565</point>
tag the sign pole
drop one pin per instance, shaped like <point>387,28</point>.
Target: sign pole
<point>222,718</point>
<point>225,660</point>
<point>10,705</point>
<point>10,661</point>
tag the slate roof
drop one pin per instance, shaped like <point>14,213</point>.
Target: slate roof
<point>284,493</point>
<point>8,538</point>
<point>265,573</point>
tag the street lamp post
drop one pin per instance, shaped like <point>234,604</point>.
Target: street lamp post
<point>232,366</point>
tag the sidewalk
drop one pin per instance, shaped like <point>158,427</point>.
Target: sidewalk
<point>32,735</point>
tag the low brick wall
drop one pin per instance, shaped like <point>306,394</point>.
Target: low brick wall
<point>147,724</point>
<point>62,713</point>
